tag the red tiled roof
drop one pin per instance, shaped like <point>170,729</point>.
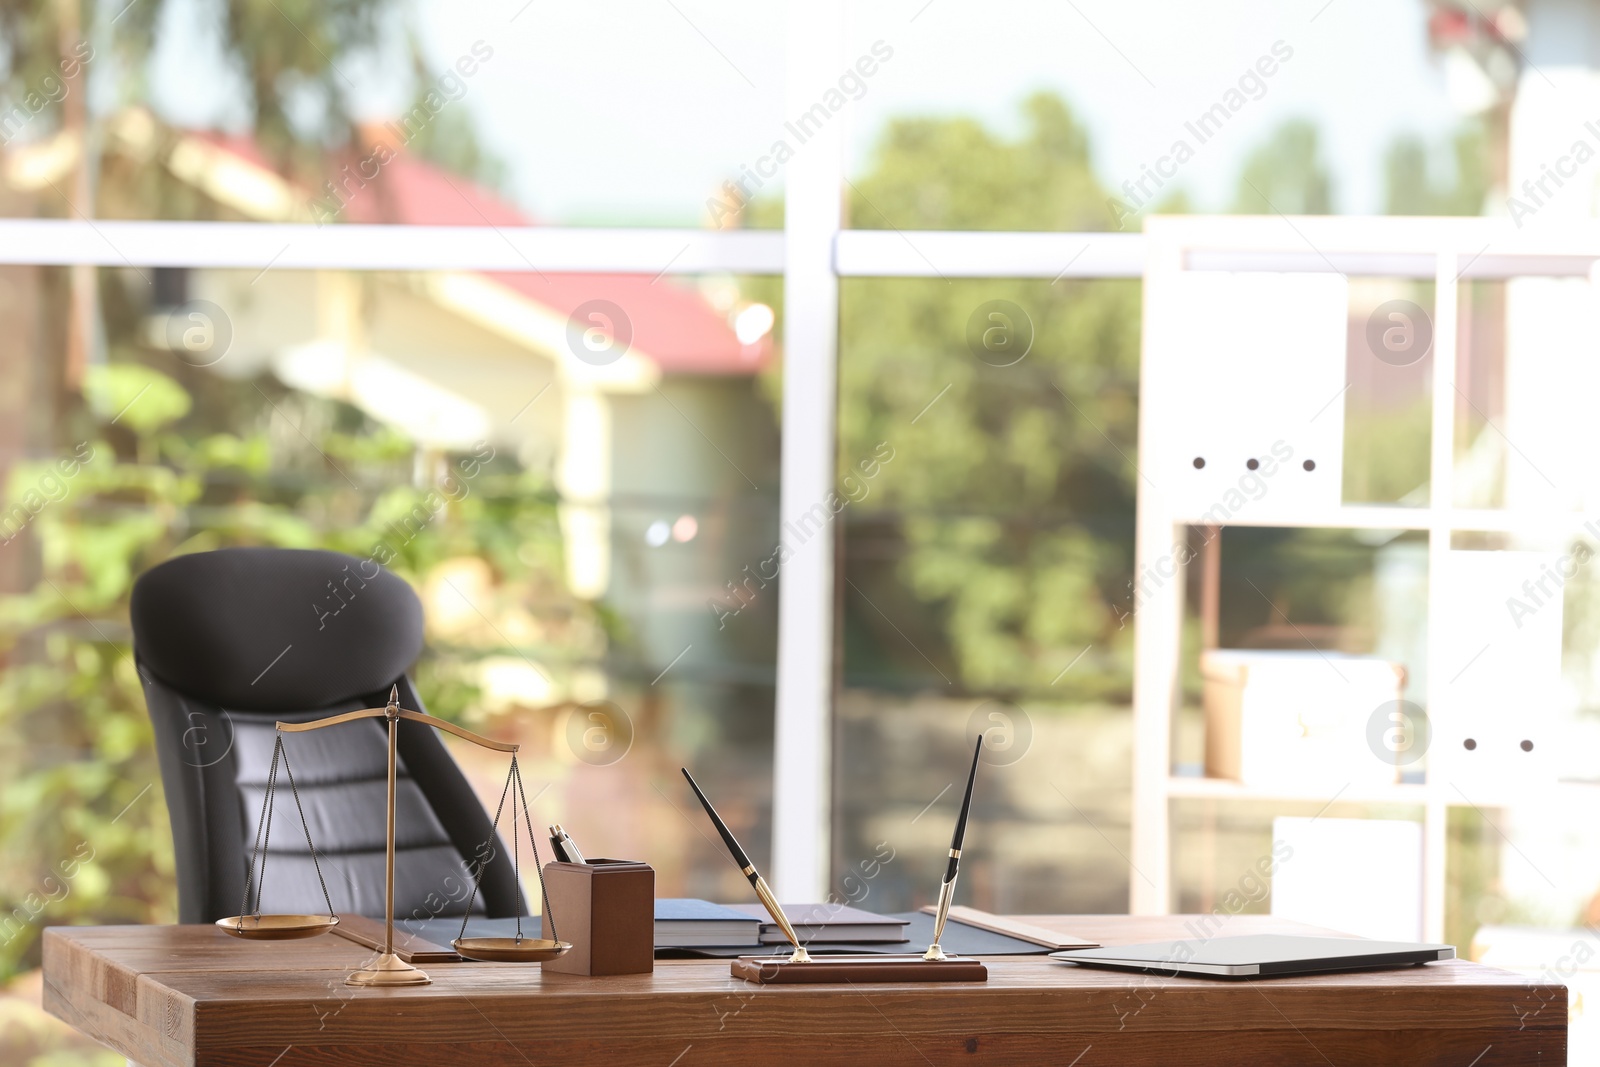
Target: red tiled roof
<point>673,325</point>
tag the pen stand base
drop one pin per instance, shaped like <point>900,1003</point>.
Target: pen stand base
<point>769,970</point>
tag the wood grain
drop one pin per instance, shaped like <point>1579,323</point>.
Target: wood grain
<point>186,995</point>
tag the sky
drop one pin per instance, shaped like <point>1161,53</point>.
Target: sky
<point>633,112</point>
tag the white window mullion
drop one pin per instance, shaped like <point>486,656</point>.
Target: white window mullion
<point>288,246</point>
<point>814,181</point>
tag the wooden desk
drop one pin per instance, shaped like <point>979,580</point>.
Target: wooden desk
<point>174,996</point>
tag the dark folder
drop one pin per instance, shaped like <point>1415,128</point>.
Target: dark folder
<point>959,939</point>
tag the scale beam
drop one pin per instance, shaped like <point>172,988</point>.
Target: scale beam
<point>404,713</point>
<point>332,720</point>
<point>452,728</point>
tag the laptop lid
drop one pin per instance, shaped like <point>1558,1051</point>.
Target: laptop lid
<point>1257,955</point>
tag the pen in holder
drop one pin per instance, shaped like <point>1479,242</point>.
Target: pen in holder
<point>748,869</point>
<point>947,888</point>
<point>565,848</point>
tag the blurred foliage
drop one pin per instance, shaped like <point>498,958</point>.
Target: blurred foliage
<point>30,1038</point>
<point>1010,499</point>
<point>1286,175</point>
<point>294,95</point>
<point>955,174</point>
<point>1415,186</point>
<point>1475,894</point>
<point>999,536</point>
<point>1386,454</point>
<point>1388,416</point>
<point>78,778</point>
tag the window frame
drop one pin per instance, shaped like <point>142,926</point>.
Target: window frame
<point>812,254</point>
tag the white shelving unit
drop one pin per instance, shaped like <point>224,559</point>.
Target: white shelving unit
<point>1448,251</point>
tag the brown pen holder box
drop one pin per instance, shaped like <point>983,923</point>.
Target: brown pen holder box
<point>607,910</point>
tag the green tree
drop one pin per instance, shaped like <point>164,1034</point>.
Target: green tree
<point>1286,175</point>
<point>954,174</point>
<point>1009,504</point>
<point>1412,186</point>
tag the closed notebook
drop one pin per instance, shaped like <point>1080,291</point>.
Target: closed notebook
<point>823,924</point>
<point>690,923</point>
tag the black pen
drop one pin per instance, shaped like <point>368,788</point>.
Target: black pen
<point>748,869</point>
<point>947,888</point>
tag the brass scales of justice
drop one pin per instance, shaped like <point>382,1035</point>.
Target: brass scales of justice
<point>389,969</point>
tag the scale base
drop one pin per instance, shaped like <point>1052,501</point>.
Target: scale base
<point>388,970</point>
<point>769,970</point>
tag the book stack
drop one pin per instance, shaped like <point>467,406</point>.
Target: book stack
<point>691,923</point>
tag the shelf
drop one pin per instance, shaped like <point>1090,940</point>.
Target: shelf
<point>1367,793</point>
<point>1228,789</point>
<point>1171,347</point>
<point>1398,517</point>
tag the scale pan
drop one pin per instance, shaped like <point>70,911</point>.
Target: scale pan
<point>510,949</point>
<point>277,927</point>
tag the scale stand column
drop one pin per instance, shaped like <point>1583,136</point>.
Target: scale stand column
<point>389,969</point>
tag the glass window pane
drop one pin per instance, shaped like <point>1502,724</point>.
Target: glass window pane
<point>1388,407</point>
<point>1480,452</point>
<point>986,440</point>
<point>573,484</point>
<point>1225,856</point>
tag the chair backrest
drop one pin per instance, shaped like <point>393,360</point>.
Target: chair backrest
<point>227,643</point>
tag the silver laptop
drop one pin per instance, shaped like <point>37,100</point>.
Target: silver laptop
<point>1257,956</point>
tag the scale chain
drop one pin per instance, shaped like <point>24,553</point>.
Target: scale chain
<point>263,843</point>
<point>527,819</point>
<point>514,774</point>
<point>265,821</point>
<point>326,898</point>
<point>516,852</point>
<point>483,862</point>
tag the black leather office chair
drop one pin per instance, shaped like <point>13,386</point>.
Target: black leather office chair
<point>228,642</point>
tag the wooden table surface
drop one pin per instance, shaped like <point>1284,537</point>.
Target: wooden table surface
<point>174,996</point>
